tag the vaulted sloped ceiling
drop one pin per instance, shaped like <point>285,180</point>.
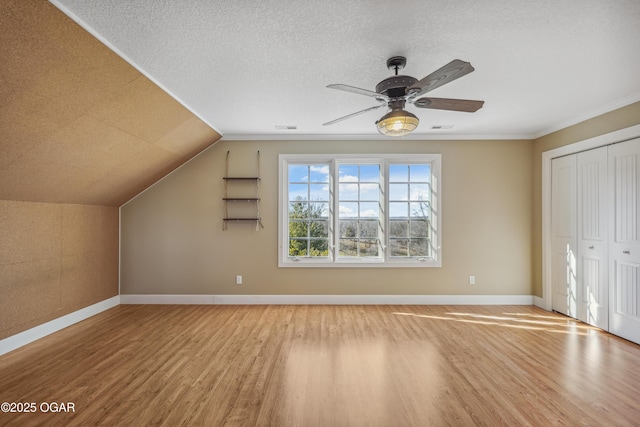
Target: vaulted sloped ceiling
<point>77,123</point>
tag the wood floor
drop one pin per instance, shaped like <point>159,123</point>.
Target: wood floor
<point>326,366</point>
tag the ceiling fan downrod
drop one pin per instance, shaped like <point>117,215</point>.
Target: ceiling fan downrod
<point>396,63</point>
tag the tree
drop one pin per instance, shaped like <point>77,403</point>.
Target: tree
<point>308,229</point>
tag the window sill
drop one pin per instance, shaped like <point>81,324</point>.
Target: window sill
<point>363,264</point>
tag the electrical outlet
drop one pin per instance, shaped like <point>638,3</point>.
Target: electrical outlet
<point>472,280</point>
<point>238,280</point>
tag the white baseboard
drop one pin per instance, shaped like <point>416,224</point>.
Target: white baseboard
<point>30,335</point>
<point>331,299</point>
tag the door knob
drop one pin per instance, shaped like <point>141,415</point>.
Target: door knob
<point>626,252</point>
<point>590,246</point>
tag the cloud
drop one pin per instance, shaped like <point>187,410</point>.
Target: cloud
<point>345,211</point>
<point>348,178</point>
<point>320,169</point>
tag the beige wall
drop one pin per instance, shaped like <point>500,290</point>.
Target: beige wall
<point>172,240</point>
<point>606,123</point>
<point>54,259</point>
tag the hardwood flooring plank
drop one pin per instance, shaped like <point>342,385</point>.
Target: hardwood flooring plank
<point>326,365</point>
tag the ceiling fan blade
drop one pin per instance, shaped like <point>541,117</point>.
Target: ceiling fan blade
<point>353,114</point>
<point>359,91</point>
<point>453,70</point>
<point>466,105</point>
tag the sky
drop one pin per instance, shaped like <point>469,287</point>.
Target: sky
<point>359,187</point>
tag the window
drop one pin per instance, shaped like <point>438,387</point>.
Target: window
<point>308,206</point>
<point>359,211</point>
<point>409,210</point>
<point>346,211</point>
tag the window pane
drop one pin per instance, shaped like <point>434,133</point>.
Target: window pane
<point>398,192</point>
<point>319,173</point>
<point>298,173</point>
<point>369,210</point>
<point>419,210</point>
<point>348,191</point>
<point>298,229</point>
<point>398,173</point>
<point>398,210</point>
<point>370,173</point>
<point>419,247</point>
<point>298,210</point>
<point>369,229</point>
<point>420,173</point>
<point>369,248</point>
<point>319,247</point>
<point>319,229</point>
<point>348,247</point>
<point>348,173</point>
<point>419,229</point>
<point>298,192</point>
<point>319,192</point>
<point>370,192</point>
<point>399,247</point>
<point>398,228</point>
<point>348,228</point>
<point>419,191</point>
<point>318,210</point>
<point>297,247</point>
<point>348,210</point>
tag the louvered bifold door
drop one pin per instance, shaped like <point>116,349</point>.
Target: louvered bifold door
<point>564,241</point>
<point>624,240</point>
<point>592,290</point>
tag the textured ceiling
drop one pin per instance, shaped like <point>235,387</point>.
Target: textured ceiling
<point>78,124</point>
<point>246,67</point>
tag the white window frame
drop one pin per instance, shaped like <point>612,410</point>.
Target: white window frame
<point>284,260</point>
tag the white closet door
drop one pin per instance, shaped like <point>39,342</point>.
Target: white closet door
<point>563,235</point>
<point>592,291</point>
<point>624,242</point>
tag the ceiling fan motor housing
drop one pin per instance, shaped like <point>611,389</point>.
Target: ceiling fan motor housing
<point>395,86</point>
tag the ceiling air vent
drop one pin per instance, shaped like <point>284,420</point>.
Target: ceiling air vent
<point>286,127</point>
<point>438,127</point>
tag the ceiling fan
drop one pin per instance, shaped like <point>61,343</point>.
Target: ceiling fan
<point>395,91</point>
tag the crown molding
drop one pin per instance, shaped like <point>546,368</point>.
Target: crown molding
<point>612,106</point>
<point>369,137</point>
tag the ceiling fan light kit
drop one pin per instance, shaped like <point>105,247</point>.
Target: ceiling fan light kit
<point>397,123</point>
<point>395,91</point>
